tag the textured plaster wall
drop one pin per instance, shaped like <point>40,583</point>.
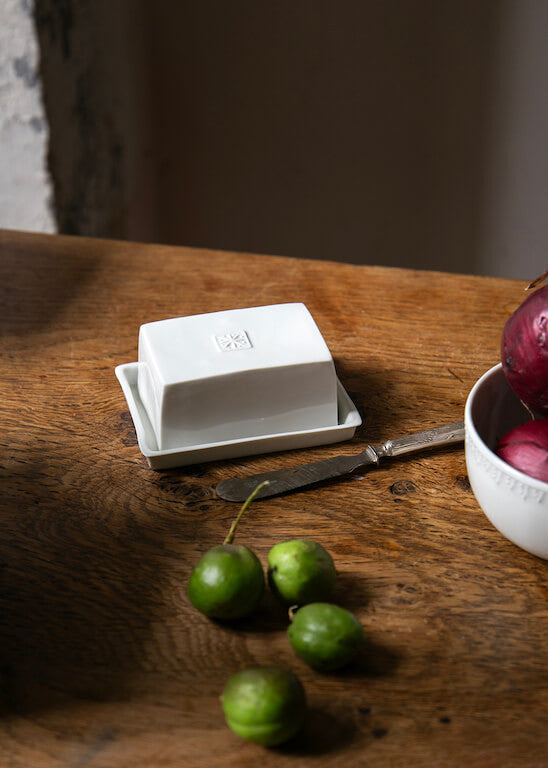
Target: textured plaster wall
<point>26,195</point>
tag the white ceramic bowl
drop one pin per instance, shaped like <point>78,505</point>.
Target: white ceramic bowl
<point>516,504</point>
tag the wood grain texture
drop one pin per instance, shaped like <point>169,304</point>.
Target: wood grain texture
<point>104,663</point>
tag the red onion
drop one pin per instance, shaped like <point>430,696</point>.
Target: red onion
<point>526,448</point>
<point>524,351</point>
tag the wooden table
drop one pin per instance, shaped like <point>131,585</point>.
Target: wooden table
<point>104,662</point>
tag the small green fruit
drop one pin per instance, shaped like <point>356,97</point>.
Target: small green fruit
<point>326,636</point>
<point>300,571</point>
<point>266,705</point>
<point>227,583</point>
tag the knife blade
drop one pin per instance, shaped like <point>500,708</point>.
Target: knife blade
<point>305,475</point>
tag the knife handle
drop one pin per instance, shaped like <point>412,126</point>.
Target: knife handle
<point>445,435</point>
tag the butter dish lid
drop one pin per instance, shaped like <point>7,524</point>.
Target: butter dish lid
<point>197,346</point>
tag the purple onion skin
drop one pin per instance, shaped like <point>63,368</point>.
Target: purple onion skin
<point>526,448</point>
<point>524,351</point>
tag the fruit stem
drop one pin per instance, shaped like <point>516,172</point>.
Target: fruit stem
<point>245,505</point>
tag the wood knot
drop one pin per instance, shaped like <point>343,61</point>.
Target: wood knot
<point>126,429</point>
<point>402,487</point>
<point>463,482</point>
<point>190,492</point>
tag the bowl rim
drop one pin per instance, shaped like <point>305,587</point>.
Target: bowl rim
<point>472,432</point>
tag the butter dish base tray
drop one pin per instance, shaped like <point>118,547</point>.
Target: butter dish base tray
<point>348,420</point>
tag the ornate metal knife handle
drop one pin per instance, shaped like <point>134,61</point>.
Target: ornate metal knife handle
<point>450,433</point>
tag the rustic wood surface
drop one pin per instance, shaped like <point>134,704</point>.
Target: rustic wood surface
<point>103,661</point>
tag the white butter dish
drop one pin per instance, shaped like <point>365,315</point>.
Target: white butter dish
<point>232,383</point>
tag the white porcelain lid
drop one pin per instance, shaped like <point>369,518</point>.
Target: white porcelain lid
<point>221,343</point>
<point>234,374</point>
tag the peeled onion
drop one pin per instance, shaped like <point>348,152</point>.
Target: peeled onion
<point>524,351</point>
<point>526,448</point>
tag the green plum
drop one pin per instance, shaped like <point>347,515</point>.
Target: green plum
<point>325,635</point>
<point>266,705</point>
<point>300,571</point>
<point>228,581</point>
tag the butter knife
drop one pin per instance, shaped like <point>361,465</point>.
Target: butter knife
<point>294,478</point>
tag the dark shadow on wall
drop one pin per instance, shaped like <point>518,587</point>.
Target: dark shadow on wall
<point>356,132</point>
<point>92,60</point>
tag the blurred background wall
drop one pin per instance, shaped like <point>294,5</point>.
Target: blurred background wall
<point>406,132</point>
